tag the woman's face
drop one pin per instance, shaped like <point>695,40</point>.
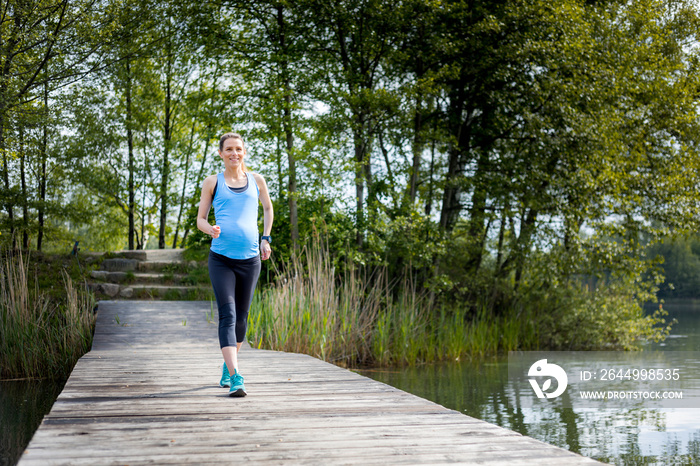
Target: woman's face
<point>233,152</point>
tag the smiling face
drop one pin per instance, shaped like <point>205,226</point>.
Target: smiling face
<point>232,153</point>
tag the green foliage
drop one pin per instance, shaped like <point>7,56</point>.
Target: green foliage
<point>355,319</point>
<point>197,276</point>
<point>681,266</point>
<point>196,253</point>
<point>607,318</point>
<point>197,240</point>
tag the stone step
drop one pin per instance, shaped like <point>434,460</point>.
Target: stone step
<point>150,291</point>
<point>138,255</point>
<point>152,254</point>
<point>120,264</point>
<point>149,274</point>
<point>138,277</point>
<point>166,291</point>
<point>169,265</point>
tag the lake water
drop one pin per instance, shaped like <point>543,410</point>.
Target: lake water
<point>23,404</point>
<point>618,436</point>
<point>481,390</point>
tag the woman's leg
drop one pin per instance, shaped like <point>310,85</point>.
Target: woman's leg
<point>230,354</point>
<point>223,280</point>
<point>247,273</point>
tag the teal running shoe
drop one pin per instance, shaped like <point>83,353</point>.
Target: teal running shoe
<point>225,378</point>
<point>237,387</point>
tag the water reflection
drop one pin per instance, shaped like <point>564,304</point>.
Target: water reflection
<point>23,405</point>
<point>685,334</point>
<point>629,436</point>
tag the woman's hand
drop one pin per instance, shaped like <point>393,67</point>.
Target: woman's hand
<point>265,250</point>
<point>215,231</point>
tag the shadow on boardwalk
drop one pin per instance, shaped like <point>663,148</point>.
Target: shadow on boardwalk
<point>148,393</point>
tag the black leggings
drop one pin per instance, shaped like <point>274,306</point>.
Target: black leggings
<point>234,282</point>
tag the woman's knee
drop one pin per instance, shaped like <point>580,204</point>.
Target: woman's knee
<point>227,315</point>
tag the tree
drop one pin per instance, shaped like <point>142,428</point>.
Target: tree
<point>354,40</point>
<point>46,44</point>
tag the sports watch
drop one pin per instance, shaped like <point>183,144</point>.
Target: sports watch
<point>267,238</point>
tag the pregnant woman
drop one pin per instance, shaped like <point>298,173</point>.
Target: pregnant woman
<point>234,258</point>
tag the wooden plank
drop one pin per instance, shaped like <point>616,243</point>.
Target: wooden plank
<point>359,450</point>
<point>148,393</point>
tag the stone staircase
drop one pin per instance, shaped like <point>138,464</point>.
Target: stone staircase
<point>150,274</point>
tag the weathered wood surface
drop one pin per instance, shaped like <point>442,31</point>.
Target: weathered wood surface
<point>148,393</point>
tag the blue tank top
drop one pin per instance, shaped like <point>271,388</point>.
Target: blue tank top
<point>237,215</point>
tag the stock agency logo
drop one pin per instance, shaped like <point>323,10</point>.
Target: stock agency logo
<point>542,369</point>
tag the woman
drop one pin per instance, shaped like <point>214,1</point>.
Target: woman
<point>234,258</point>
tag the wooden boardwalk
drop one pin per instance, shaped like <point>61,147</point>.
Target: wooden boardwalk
<point>148,393</point>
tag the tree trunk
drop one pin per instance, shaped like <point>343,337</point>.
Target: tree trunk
<point>200,173</point>
<point>524,240</point>
<point>387,163</point>
<point>143,196</point>
<point>288,132</point>
<point>459,128</point>
<point>165,170</point>
<point>278,156</point>
<point>429,200</point>
<point>42,173</point>
<point>501,236</point>
<point>417,148</point>
<point>184,182</point>
<point>23,181</point>
<point>7,49</point>
<point>359,188</point>
<point>292,186</point>
<point>477,215</point>
<point>132,161</point>
<point>198,182</point>
<point>6,179</point>
<point>451,206</point>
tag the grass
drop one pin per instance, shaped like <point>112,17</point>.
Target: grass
<point>197,253</point>
<point>359,320</point>
<point>176,268</point>
<point>210,315</point>
<point>43,332</point>
<point>197,276</point>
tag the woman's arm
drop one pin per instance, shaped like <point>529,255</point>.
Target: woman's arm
<point>269,215</point>
<point>204,207</point>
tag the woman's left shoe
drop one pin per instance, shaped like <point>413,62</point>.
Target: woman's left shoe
<point>225,378</point>
<point>237,387</point>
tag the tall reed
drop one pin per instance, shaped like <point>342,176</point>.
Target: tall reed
<point>40,337</point>
<point>305,311</point>
<point>355,320</point>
